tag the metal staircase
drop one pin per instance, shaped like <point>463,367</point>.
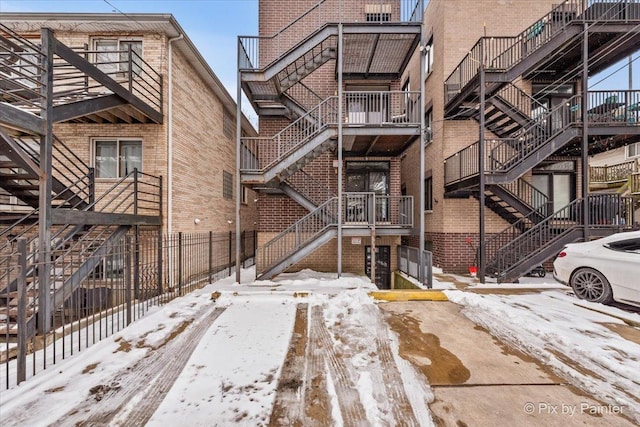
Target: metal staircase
<point>525,244</point>
<point>42,84</point>
<point>320,226</point>
<point>517,200</point>
<point>548,45</point>
<point>264,160</point>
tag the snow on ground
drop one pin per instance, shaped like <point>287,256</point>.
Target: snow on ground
<point>577,343</point>
<point>232,374</point>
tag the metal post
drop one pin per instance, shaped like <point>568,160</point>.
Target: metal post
<point>22,311</point>
<point>159,262</point>
<point>238,150</point>
<point>127,277</point>
<point>180,263</point>
<point>44,216</point>
<point>585,131</point>
<point>130,70</point>
<point>423,129</point>
<point>136,262</point>
<point>340,192</point>
<point>210,256</point>
<point>481,149</point>
<point>231,251</point>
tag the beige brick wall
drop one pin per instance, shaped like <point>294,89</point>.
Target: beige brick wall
<point>201,151</point>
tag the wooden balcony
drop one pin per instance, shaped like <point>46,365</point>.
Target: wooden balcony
<point>611,176</point>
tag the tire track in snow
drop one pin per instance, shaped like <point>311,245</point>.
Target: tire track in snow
<point>353,413</point>
<point>129,403</point>
<point>401,408</point>
<point>316,401</point>
<point>288,407</point>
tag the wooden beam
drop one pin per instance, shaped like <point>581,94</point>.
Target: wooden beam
<point>62,113</point>
<point>122,115</point>
<point>134,113</point>
<point>373,143</point>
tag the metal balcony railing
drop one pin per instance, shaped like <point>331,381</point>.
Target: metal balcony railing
<point>502,53</point>
<point>21,72</point>
<point>359,209</point>
<point>607,108</point>
<point>531,196</point>
<point>256,52</point>
<point>386,109</point>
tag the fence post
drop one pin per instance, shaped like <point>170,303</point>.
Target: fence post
<point>230,251</point>
<point>180,263</point>
<point>22,311</point>
<point>136,263</point>
<point>127,276</point>
<point>243,247</point>
<point>210,256</point>
<point>159,261</point>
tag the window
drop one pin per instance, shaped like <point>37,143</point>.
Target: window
<point>227,185</point>
<point>633,150</point>
<point>112,55</point>
<point>428,126</point>
<point>227,124</point>
<point>428,194</point>
<point>377,12</point>
<point>428,58</point>
<point>116,158</point>
<point>629,245</point>
<point>245,195</point>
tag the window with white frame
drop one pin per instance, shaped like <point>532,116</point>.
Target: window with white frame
<point>116,158</point>
<point>112,55</point>
<point>633,150</point>
<point>428,58</point>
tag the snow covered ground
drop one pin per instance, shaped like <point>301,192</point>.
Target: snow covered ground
<point>225,362</point>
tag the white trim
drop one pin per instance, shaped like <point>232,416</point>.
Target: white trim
<point>92,153</point>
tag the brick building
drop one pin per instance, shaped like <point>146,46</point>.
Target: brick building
<point>527,118</point>
<point>324,78</point>
<point>534,119</point>
<point>116,138</point>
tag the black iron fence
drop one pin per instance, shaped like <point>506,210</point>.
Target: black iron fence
<point>111,285</point>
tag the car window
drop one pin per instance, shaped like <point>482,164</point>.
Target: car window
<point>628,245</point>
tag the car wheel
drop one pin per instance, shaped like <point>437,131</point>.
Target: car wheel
<point>591,285</point>
<point>542,273</point>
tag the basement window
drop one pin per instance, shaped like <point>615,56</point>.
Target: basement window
<point>116,158</point>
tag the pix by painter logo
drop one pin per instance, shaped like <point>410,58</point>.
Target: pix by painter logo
<point>548,408</point>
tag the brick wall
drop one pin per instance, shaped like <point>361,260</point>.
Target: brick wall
<point>201,150</point>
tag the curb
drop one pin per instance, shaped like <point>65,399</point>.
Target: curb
<point>409,295</point>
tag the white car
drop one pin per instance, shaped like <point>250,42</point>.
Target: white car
<point>602,270</point>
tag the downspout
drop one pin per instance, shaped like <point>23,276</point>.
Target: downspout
<point>170,137</point>
<point>170,153</point>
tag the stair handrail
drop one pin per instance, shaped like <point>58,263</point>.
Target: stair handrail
<point>249,48</point>
<point>314,190</point>
<point>536,200</point>
<point>303,230</point>
<point>502,53</point>
<point>290,138</point>
<point>605,210</point>
<point>503,154</point>
<point>519,99</point>
<point>300,90</point>
<point>25,72</point>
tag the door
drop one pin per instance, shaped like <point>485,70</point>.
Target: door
<point>383,265</point>
<point>367,177</point>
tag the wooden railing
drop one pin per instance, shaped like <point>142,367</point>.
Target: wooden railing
<point>613,173</point>
<point>635,184</point>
